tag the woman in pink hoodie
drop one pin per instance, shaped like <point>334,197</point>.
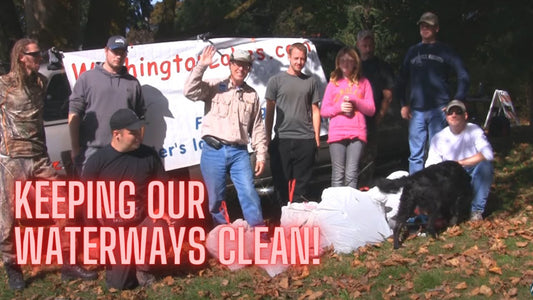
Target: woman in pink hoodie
<point>347,100</point>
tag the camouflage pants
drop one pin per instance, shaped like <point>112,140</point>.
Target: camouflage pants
<point>22,169</point>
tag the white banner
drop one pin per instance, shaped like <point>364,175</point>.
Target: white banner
<point>174,122</point>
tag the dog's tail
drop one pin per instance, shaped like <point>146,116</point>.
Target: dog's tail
<point>392,185</point>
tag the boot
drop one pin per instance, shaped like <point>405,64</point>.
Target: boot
<point>71,272</point>
<point>14,275</point>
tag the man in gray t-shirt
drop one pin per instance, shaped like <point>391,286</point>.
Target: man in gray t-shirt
<point>295,97</point>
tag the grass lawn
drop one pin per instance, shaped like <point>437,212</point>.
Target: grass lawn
<point>491,259</point>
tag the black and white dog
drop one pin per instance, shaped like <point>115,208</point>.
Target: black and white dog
<point>441,190</point>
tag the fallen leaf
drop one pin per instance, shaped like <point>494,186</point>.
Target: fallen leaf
<point>485,290</point>
<point>453,262</point>
<point>297,283</point>
<point>454,231</point>
<point>487,262</point>
<point>356,263</point>
<point>471,251</point>
<point>422,250</point>
<point>461,286</point>
<point>514,280</point>
<point>311,295</point>
<point>284,283</point>
<point>169,280</point>
<point>355,295</point>
<point>409,285</point>
<point>224,282</point>
<point>448,246</point>
<point>474,292</point>
<point>496,270</point>
<point>521,244</point>
<point>304,274</point>
<point>204,294</point>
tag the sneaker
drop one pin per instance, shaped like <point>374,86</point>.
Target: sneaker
<point>14,275</point>
<point>71,272</point>
<point>476,216</point>
<point>145,278</point>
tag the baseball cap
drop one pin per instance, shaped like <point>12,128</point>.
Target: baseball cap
<point>455,103</point>
<point>125,118</point>
<point>429,18</point>
<point>363,34</point>
<point>117,42</point>
<point>241,55</point>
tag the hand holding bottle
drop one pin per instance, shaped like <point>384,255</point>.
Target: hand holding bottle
<point>347,106</point>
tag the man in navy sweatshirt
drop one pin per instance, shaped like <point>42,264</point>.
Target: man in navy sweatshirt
<point>424,72</point>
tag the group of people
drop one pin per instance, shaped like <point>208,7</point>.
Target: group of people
<point>106,112</point>
<point>106,109</point>
<point>356,100</point>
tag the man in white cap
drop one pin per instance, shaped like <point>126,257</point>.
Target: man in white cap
<point>425,73</point>
<point>96,95</point>
<point>467,144</point>
<point>233,120</point>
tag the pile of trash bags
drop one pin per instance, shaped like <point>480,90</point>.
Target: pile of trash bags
<point>345,219</point>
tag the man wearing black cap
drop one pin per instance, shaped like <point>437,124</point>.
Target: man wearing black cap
<point>467,144</point>
<point>233,120</point>
<point>96,95</point>
<point>126,158</point>
<point>426,68</point>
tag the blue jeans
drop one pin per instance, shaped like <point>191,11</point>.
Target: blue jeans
<point>214,165</point>
<point>482,175</point>
<point>423,125</point>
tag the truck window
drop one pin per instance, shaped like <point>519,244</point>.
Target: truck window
<point>56,101</point>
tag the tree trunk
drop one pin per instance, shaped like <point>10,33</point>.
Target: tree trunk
<point>53,22</point>
<point>166,28</point>
<point>106,18</point>
<point>10,31</point>
<point>529,96</point>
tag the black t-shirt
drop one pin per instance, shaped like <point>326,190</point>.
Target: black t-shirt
<point>381,77</point>
<point>139,166</point>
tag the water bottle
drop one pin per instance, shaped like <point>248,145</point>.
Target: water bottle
<point>347,99</point>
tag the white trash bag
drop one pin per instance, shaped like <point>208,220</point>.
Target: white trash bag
<point>235,246</point>
<point>349,219</point>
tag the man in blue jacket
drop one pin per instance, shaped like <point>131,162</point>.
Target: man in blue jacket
<point>425,70</point>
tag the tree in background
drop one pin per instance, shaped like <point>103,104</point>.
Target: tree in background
<point>10,31</point>
<point>493,38</point>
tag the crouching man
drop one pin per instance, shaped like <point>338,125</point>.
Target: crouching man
<point>125,158</point>
<point>467,144</point>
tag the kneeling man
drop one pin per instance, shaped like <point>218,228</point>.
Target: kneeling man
<point>467,144</point>
<point>126,158</point>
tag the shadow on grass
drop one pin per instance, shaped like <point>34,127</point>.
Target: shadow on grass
<point>513,171</point>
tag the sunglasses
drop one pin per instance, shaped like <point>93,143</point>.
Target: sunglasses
<point>457,111</point>
<point>240,64</point>
<point>34,53</point>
